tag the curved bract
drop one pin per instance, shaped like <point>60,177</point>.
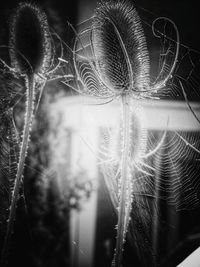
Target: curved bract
<point>30,43</point>
<point>119,46</point>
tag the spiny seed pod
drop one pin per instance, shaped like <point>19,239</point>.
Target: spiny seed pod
<point>119,46</point>
<point>29,42</point>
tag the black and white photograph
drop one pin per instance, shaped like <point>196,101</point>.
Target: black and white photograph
<point>99,133</point>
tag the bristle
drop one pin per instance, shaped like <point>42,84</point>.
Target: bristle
<point>30,43</point>
<point>119,46</point>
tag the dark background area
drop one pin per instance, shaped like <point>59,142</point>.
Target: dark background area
<point>184,13</point>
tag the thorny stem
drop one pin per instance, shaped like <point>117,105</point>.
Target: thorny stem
<point>30,95</point>
<point>124,186</point>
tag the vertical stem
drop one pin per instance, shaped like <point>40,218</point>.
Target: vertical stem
<point>123,187</point>
<point>30,94</point>
<point>155,232</point>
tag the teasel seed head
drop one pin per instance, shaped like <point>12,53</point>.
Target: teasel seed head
<point>119,46</point>
<point>30,40</point>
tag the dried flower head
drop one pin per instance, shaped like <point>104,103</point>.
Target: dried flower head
<point>30,43</point>
<point>119,46</point>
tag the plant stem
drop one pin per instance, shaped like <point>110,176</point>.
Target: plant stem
<point>30,95</point>
<point>124,184</point>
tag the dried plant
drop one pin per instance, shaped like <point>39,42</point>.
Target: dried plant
<point>119,68</point>
<point>30,49</point>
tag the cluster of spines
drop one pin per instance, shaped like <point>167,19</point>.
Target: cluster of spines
<point>120,16</point>
<point>37,27</point>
